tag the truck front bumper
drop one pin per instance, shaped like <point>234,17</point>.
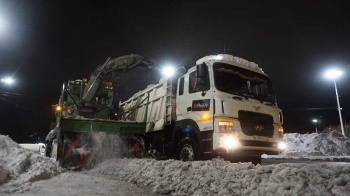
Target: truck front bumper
<point>231,144</point>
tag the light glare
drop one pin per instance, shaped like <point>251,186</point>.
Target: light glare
<point>333,74</point>
<point>205,116</point>
<point>168,71</point>
<point>229,142</point>
<point>219,57</point>
<point>7,80</point>
<point>2,24</point>
<point>58,108</point>
<point>282,145</point>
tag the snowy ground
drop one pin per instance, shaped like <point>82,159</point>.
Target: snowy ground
<point>330,146</point>
<point>23,172</point>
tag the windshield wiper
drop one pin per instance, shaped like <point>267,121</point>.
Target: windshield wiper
<point>237,98</point>
<point>269,104</point>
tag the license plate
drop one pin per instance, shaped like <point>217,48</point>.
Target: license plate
<point>260,138</point>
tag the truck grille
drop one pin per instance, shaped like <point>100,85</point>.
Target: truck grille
<point>253,123</point>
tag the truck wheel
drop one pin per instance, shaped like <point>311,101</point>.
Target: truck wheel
<point>256,160</point>
<point>187,150</point>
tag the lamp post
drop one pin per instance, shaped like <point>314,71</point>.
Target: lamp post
<point>334,74</point>
<point>315,121</point>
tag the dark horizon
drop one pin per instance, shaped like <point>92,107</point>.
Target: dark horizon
<point>47,43</point>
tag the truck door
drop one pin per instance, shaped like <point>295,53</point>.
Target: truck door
<point>195,101</point>
<point>181,103</point>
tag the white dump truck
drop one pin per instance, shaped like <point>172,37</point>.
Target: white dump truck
<point>223,106</point>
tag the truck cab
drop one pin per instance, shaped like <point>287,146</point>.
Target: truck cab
<point>233,104</point>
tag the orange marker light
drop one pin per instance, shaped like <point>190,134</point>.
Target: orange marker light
<point>108,83</point>
<point>58,108</point>
<point>205,117</point>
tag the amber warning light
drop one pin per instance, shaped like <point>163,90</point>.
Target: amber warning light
<point>57,108</point>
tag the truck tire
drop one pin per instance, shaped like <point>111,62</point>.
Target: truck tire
<point>256,160</point>
<point>187,150</point>
<point>243,158</point>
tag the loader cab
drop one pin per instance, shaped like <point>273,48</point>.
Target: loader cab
<point>100,106</point>
<point>70,96</point>
<point>74,91</point>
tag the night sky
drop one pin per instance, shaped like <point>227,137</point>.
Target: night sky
<point>44,43</point>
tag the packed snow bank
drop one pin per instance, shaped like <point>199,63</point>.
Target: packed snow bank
<point>323,144</point>
<point>218,177</point>
<point>20,167</point>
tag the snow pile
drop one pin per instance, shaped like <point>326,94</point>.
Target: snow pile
<point>20,167</point>
<point>323,144</point>
<point>218,177</point>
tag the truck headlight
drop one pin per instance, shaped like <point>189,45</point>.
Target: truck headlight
<point>226,127</point>
<point>282,145</point>
<point>229,142</point>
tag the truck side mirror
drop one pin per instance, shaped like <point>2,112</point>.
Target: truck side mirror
<point>202,75</point>
<point>202,72</point>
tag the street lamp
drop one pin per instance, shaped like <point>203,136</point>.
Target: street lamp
<point>169,71</point>
<point>7,80</point>
<point>334,74</point>
<point>315,121</point>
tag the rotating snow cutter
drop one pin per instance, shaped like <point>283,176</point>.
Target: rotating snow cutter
<point>86,110</point>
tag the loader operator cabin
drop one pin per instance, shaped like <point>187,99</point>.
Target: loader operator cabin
<point>223,106</point>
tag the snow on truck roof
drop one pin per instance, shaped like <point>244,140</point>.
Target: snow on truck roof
<point>226,58</point>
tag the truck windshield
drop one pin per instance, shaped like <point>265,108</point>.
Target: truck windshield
<point>243,82</point>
